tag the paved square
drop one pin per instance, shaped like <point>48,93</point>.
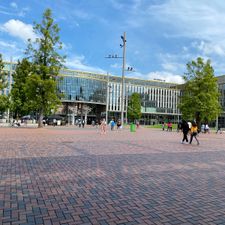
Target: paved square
<point>77,176</point>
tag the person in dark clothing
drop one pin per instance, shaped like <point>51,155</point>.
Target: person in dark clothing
<point>179,126</point>
<point>185,130</point>
<point>83,123</point>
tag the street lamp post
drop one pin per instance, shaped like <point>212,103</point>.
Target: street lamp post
<point>107,99</point>
<point>123,71</point>
<point>123,45</point>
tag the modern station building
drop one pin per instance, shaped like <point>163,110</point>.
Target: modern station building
<point>100,95</point>
<point>93,96</point>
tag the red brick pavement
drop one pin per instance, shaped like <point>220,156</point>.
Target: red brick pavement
<point>77,176</point>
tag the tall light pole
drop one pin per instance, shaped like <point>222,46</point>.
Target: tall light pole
<point>107,99</point>
<point>123,45</point>
<point>123,71</point>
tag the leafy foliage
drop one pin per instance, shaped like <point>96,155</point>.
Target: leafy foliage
<point>19,100</point>
<point>4,100</point>
<point>42,93</point>
<point>200,95</point>
<point>41,84</point>
<point>2,74</point>
<point>4,103</point>
<point>134,107</point>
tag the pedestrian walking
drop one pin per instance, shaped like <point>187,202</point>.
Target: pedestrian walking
<point>169,126</point>
<point>118,124</point>
<point>138,124</point>
<point>163,126</point>
<point>194,132</point>
<point>185,129</point>
<point>203,128</point>
<point>103,126</point>
<point>83,123</point>
<point>79,122</point>
<point>190,125</point>
<point>206,128</point>
<point>112,124</point>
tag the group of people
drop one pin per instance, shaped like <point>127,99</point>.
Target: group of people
<point>80,123</point>
<point>169,126</point>
<point>205,128</point>
<point>112,124</point>
<point>189,128</point>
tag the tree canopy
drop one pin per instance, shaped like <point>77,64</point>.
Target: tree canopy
<point>2,74</point>
<point>4,100</point>
<point>41,85</point>
<point>134,107</point>
<point>19,100</point>
<point>200,94</point>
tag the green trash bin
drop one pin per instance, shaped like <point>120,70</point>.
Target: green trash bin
<point>132,127</point>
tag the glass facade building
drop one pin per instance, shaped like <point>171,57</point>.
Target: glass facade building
<point>82,87</point>
<point>221,86</point>
<point>103,91</point>
<point>96,95</point>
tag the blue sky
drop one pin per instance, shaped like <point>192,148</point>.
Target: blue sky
<point>162,35</point>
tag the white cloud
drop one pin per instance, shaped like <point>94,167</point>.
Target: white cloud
<point>170,66</point>
<point>7,45</point>
<point>13,5</point>
<point>165,76</point>
<point>116,66</point>
<point>11,49</point>
<point>19,29</point>
<point>5,12</point>
<point>159,75</point>
<point>199,20</point>
<point>81,14</point>
<point>175,63</point>
<point>209,48</point>
<point>117,4</point>
<point>77,63</point>
<point>23,11</point>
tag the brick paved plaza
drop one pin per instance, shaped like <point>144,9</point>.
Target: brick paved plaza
<point>77,176</point>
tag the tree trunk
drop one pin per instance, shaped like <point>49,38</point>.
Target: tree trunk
<point>40,119</point>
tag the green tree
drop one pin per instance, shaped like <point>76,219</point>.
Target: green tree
<point>200,94</point>
<point>18,97</point>
<point>47,62</point>
<point>42,95</point>
<point>134,107</point>
<point>4,100</point>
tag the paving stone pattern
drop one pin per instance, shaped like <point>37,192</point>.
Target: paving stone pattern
<point>78,176</point>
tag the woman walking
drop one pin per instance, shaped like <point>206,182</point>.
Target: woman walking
<point>103,126</point>
<point>194,132</point>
